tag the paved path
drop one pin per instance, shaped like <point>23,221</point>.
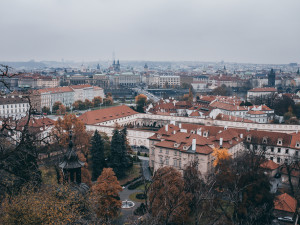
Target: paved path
<point>124,195</point>
<point>146,169</point>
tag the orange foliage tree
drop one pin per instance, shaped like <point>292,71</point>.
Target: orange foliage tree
<point>48,205</point>
<point>221,155</point>
<point>61,110</point>
<point>97,101</point>
<point>81,138</point>
<point>168,201</point>
<point>105,194</point>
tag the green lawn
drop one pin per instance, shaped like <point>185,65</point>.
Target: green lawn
<point>132,197</point>
<point>132,173</point>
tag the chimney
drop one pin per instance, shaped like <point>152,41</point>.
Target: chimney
<point>179,125</point>
<point>221,142</point>
<point>166,127</point>
<point>174,132</point>
<point>241,135</point>
<point>194,144</point>
<point>199,132</point>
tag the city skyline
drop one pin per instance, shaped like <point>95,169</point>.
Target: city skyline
<point>203,31</point>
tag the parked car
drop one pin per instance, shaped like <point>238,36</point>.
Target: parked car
<point>286,219</point>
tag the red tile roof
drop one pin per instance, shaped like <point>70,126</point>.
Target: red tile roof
<point>221,116</point>
<point>267,89</point>
<point>285,203</point>
<point>80,86</point>
<point>228,107</point>
<point>270,165</point>
<point>256,112</point>
<point>102,115</point>
<point>56,90</point>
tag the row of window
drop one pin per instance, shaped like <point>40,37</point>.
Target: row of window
<point>12,111</point>
<point>176,162</point>
<point>167,152</point>
<point>12,106</point>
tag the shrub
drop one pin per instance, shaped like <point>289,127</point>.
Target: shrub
<point>145,155</point>
<point>135,185</point>
<point>141,196</point>
<point>138,153</point>
<point>141,210</point>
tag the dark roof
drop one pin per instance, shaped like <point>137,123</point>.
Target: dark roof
<point>14,100</point>
<point>71,161</point>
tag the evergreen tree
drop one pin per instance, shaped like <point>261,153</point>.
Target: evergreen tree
<point>97,153</point>
<point>298,72</point>
<point>118,156</point>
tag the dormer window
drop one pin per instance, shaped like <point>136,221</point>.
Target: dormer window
<point>176,145</point>
<point>205,134</point>
<point>158,136</point>
<point>297,144</point>
<point>249,138</point>
<point>279,142</point>
<point>185,147</point>
<point>264,140</point>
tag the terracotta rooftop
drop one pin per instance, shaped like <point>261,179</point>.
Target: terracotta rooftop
<point>102,115</point>
<point>221,116</point>
<point>285,203</point>
<point>228,107</point>
<point>80,86</point>
<point>266,89</point>
<point>270,165</point>
<point>256,112</point>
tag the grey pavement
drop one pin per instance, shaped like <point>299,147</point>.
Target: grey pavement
<point>127,213</point>
<point>146,169</point>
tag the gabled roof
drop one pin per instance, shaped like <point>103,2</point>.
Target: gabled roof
<point>285,203</point>
<point>270,165</point>
<point>102,115</point>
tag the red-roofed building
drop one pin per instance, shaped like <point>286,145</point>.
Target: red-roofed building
<point>260,92</point>
<point>285,205</point>
<point>66,95</point>
<point>108,116</point>
<point>180,145</point>
<point>270,167</point>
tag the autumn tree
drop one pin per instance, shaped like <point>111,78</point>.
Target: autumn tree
<point>246,188</point>
<point>81,138</point>
<point>61,110</point>
<point>140,101</point>
<point>97,101</point>
<point>47,205</point>
<point>97,153</point>
<point>105,194</point>
<point>190,98</point>
<point>78,105</point>
<point>55,106</point>
<point>108,100</point>
<point>168,201</point>
<point>46,110</point>
<point>88,104</point>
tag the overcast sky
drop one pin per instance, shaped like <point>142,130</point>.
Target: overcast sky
<point>255,31</point>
